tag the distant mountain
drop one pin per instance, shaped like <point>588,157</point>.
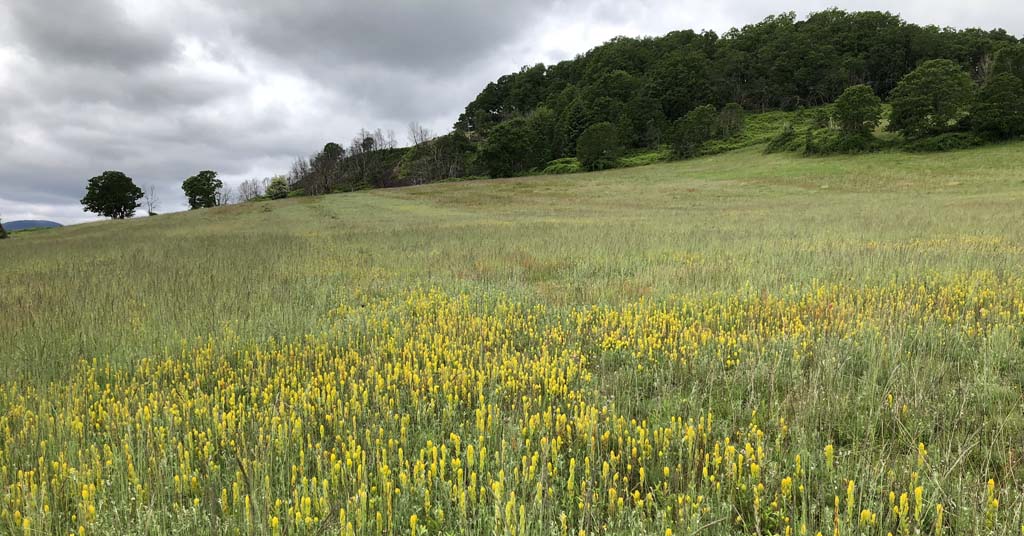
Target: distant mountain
<point>24,225</point>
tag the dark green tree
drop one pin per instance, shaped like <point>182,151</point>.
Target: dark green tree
<point>931,99</point>
<point>641,122</point>
<point>201,189</point>
<point>730,121</point>
<point>518,145</point>
<point>694,130</point>
<point>112,195</point>
<point>598,147</point>
<point>278,188</point>
<point>858,111</point>
<point>999,110</point>
<point>1009,60</point>
<point>3,232</point>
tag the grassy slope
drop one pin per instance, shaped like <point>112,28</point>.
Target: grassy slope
<point>740,219</point>
<point>869,303</point>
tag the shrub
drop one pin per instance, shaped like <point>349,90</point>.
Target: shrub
<point>944,142</point>
<point>858,111</point>
<point>562,166</point>
<point>598,147</point>
<point>730,121</point>
<point>694,130</point>
<point>785,140</point>
<point>827,141</point>
<point>278,188</point>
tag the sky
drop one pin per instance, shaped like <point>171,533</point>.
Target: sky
<point>161,89</point>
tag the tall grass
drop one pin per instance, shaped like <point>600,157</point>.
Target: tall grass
<point>851,325</point>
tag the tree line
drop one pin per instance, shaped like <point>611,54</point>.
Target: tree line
<point>681,91</point>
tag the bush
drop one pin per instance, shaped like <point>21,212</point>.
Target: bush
<point>278,188</point>
<point>562,166</point>
<point>694,130</point>
<point>785,140</point>
<point>858,111</point>
<point>598,147</point>
<point>646,158</point>
<point>730,121</point>
<point>944,142</point>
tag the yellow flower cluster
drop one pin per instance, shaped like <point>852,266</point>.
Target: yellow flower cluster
<point>432,413</point>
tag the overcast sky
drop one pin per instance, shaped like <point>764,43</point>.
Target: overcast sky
<point>161,89</point>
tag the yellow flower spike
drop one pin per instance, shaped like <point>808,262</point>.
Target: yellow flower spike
<point>938,519</point>
<point>850,488</point>
<point>918,503</point>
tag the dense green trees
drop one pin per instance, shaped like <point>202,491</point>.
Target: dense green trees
<point>112,195</point>
<point>598,147</point>
<point>645,86</point>
<point>931,99</point>
<point>521,144</point>
<point>1009,60</point>
<point>999,109</point>
<point>201,189</point>
<point>858,111</point>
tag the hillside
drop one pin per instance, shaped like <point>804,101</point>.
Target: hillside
<point>24,225</point>
<point>686,93</point>
<point>851,325</point>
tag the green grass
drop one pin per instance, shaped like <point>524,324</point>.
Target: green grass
<point>872,303</point>
<point>128,289</point>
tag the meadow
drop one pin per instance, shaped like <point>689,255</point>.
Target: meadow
<point>737,344</point>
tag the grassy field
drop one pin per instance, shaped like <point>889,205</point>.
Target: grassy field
<point>739,344</point>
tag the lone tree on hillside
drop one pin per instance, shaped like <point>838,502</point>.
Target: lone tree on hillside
<point>858,111</point>
<point>151,200</point>
<point>598,147</point>
<point>930,99</point>
<point>999,110</point>
<point>3,233</point>
<point>201,189</point>
<point>112,195</point>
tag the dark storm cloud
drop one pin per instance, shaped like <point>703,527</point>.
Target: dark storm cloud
<point>436,38</point>
<point>87,32</point>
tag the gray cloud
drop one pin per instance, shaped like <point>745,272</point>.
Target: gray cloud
<point>63,32</point>
<point>163,88</point>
